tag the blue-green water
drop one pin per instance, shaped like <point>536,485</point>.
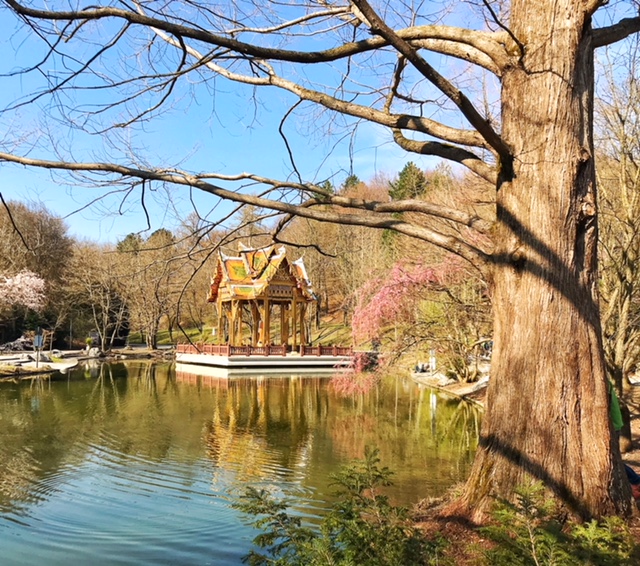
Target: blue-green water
<point>133,464</point>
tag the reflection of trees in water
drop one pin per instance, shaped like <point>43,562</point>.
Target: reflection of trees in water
<point>463,425</point>
<point>250,428</point>
<point>18,472</point>
<point>104,394</point>
<point>262,426</point>
<point>20,467</point>
<point>51,425</point>
<point>348,434</point>
<point>407,423</point>
<point>148,407</point>
<point>32,441</point>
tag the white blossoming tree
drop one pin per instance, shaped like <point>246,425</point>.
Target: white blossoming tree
<point>24,289</point>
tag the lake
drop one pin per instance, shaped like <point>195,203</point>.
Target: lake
<point>129,463</point>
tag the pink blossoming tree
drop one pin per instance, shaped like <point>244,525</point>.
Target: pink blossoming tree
<point>443,305</point>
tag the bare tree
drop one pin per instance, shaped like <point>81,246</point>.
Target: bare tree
<point>369,62</point>
<point>618,118</point>
<point>618,130</point>
<point>152,283</point>
<point>97,284</point>
<point>33,238</point>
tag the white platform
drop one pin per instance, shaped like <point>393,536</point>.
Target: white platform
<point>223,366</point>
<point>264,372</point>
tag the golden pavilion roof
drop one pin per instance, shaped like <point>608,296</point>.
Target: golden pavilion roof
<point>253,271</point>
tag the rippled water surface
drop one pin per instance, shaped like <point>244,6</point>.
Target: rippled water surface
<point>133,464</point>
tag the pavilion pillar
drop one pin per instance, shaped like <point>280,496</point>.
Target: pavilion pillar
<point>228,317</point>
<point>284,330</point>
<point>233,334</point>
<point>303,328</point>
<point>255,329</point>
<point>221,316</point>
<point>266,327</point>
<point>294,329</point>
<point>239,323</point>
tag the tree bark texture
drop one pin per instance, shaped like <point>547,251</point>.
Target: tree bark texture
<point>548,350</point>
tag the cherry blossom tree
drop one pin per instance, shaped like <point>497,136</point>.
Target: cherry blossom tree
<point>415,308</point>
<point>25,289</point>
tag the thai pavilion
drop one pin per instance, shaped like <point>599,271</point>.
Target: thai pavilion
<point>262,298</point>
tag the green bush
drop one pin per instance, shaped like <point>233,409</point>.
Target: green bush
<point>527,532</point>
<point>362,527</point>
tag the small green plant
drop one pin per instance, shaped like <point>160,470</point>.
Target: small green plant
<point>605,543</point>
<point>361,528</point>
<point>527,532</point>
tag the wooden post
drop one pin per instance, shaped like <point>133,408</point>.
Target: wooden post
<point>284,314</point>
<point>303,330</point>
<point>233,331</point>
<point>255,317</point>
<point>229,323</point>
<point>294,329</point>
<point>266,328</point>
<point>220,323</point>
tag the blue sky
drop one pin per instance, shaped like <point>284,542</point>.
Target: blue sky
<point>218,129</point>
<point>243,149</point>
<point>224,133</point>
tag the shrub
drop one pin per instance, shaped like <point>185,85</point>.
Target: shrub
<point>527,532</point>
<point>361,528</point>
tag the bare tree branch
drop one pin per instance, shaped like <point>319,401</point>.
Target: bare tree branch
<point>378,26</point>
<point>482,48</point>
<point>13,223</point>
<point>309,209</point>
<point>450,152</point>
<point>462,51</point>
<point>416,123</point>
<point>611,34</point>
<point>486,42</point>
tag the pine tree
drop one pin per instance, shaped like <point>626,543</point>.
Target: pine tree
<point>411,183</point>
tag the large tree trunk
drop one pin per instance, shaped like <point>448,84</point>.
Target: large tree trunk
<point>547,416</point>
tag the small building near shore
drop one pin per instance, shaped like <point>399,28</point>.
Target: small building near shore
<point>262,298</point>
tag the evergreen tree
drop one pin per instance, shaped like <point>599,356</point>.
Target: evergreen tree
<point>411,183</point>
<point>351,182</point>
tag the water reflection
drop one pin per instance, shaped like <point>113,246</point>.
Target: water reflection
<point>111,450</point>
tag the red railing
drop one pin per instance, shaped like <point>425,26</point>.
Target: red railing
<point>326,351</point>
<point>281,350</point>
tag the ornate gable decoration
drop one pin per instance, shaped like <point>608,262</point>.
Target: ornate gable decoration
<point>284,273</point>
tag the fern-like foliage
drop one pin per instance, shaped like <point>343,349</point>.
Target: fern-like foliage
<point>528,533</point>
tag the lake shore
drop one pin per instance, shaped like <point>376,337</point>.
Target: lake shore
<point>22,365</point>
<point>466,541</point>
<point>476,392</point>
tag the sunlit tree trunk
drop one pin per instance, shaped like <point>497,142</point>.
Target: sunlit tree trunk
<point>548,402</point>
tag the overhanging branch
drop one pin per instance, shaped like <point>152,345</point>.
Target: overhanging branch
<point>310,209</point>
<point>379,27</point>
<point>612,34</point>
<point>450,152</point>
<point>405,121</point>
<point>485,42</point>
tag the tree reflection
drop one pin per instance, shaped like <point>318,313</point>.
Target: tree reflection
<point>236,430</point>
